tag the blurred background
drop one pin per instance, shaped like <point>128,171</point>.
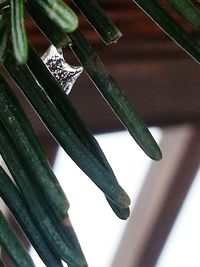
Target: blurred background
<point>162,82</point>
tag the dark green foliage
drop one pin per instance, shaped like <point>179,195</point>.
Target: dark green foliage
<point>12,245</point>
<point>110,90</point>
<point>1,263</point>
<point>22,133</point>
<point>15,203</point>
<point>171,27</point>
<point>101,23</point>
<point>58,12</point>
<point>65,134</point>
<point>4,35</point>
<point>71,116</point>
<point>188,10</point>
<point>50,228</point>
<point>19,39</point>
<point>37,200</point>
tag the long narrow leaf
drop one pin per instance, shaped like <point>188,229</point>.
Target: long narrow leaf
<point>98,19</point>
<point>19,38</point>
<point>43,217</point>
<point>188,10</point>
<point>4,35</point>
<point>56,36</point>
<point>14,202</point>
<point>171,27</point>
<point>71,116</point>
<point>12,245</point>
<point>58,12</point>
<point>15,120</point>
<point>65,135</point>
<point>112,93</point>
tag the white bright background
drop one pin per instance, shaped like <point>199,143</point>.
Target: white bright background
<point>99,230</point>
<point>97,227</point>
<point>182,247</point>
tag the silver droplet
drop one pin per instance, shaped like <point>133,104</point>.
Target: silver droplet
<point>65,74</point>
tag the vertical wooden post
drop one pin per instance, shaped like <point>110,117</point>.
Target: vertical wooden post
<point>160,199</point>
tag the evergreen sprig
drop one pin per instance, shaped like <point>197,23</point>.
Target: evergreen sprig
<point>36,190</point>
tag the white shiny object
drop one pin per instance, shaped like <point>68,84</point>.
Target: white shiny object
<point>64,73</point>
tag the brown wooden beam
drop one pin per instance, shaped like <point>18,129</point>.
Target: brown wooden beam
<point>160,199</point>
<point>183,179</point>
